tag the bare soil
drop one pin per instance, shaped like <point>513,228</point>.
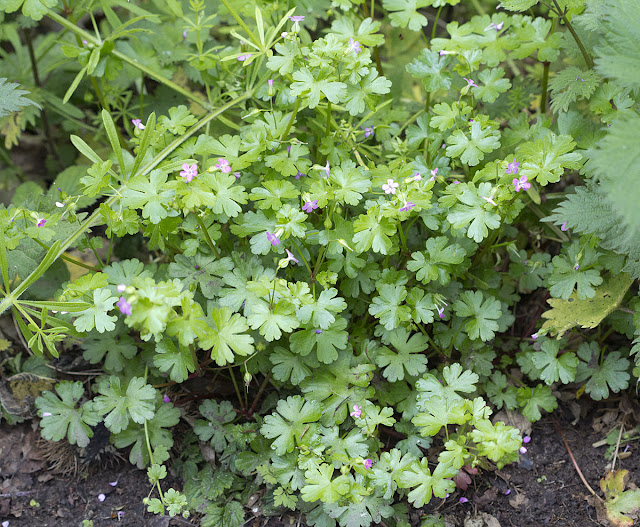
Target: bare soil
<point>543,488</point>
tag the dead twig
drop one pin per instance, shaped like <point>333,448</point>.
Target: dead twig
<point>575,463</point>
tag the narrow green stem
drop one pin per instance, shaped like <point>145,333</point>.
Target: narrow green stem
<point>293,118</point>
<point>587,58</point>
<point>210,243</point>
<point>235,385</point>
<point>302,256</point>
<point>435,24</point>
<point>132,62</point>
<point>242,23</point>
<point>328,128</point>
<point>95,253</point>
<point>545,83</point>
<point>110,249</point>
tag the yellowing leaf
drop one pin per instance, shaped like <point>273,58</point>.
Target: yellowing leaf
<point>587,313</point>
<point>619,502</point>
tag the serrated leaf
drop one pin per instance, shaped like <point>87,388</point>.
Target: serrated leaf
<point>294,418</point>
<point>588,313</point>
<point>135,403</point>
<point>228,335</point>
<point>11,98</point>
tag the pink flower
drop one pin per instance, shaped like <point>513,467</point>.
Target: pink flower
<point>417,177</point>
<point>368,463</point>
<point>299,175</point>
<point>368,132</point>
<point>470,83</point>
<point>297,18</point>
<point>521,184</point>
<point>189,172</point>
<point>434,173</point>
<point>497,27</point>
<point>327,169</point>
<point>290,257</point>
<point>244,57</point>
<point>46,414</point>
<point>407,206</point>
<point>390,186</point>
<point>563,227</point>
<point>526,439</point>
<point>223,165</point>
<point>534,336</point>
<point>309,206</point>
<point>440,311</point>
<point>490,200</point>
<point>41,222</point>
<point>124,306</point>
<point>101,497</point>
<point>507,492</point>
<point>523,450</point>
<point>445,52</point>
<point>354,46</point>
<point>273,239</point>
<point>356,411</point>
<point>166,398</point>
<point>121,288</point>
<point>512,168</point>
<point>138,124</point>
<point>463,500</point>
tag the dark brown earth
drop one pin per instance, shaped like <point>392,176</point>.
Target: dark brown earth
<point>545,488</point>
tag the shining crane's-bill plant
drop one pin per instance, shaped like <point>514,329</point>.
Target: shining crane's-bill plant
<point>377,228</point>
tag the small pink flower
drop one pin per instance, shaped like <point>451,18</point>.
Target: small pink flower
<point>463,500</point>
<point>184,34</point>
<point>526,439</point>
<point>534,336</point>
<point>297,18</point>
<point>563,227</point>
<point>407,206</point>
<point>521,184</point>
<point>440,311</point>
<point>327,169</point>
<point>124,306</point>
<point>490,200</point>
<point>46,414</point>
<point>273,239</point>
<point>417,177</point>
<point>121,288</point>
<point>101,497</point>
<point>445,52</point>
<point>237,175</point>
<point>188,172</point>
<point>299,175</point>
<point>270,83</point>
<point>368,132</point>
<point>309,206</point>
<point>523,450</point>
<point>41,222</point>
<point>354,46</point>
<point>356,411</point>
<point>138,124</point>
<point>59,205</point>
<point>390,186</point>
<point>290,257</point>
<point>470,83</point>
<point>512,168</point>
<point>434,173</point>
<point>120,515</point>
<point>368,463</point>
<point>497,27</point>
<point>166,398</point>
<point>223,165</point>
<point>114,483</point>
<point>507,492</point>
<point>244,57</point>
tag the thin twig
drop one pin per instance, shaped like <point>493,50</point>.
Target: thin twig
<point>575,463</point>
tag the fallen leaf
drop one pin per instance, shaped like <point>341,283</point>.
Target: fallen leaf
<point>519,500</point>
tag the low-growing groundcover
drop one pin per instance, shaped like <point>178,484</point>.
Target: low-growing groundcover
<point>346,212</point>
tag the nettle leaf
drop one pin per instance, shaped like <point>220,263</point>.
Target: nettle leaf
<point>11,98</point>
<point>387,306</point>
<point>546,159</point>
<point>493,84</point>
<point>321,313</point>
<point>472,148</point>
<point>531,400</point>
<point>438,262</point>
<point>294,418</point>
<point>406,357</point>
<point>618,46</point>
<point>424,484</point>
<point>570,85</point>
<point>214,428</point>
<point>373,231</point>
<point>484,314</point>
<point>96,316</point>
<point>313,90</point>
<point>62,418</point>
<point>228,335</point>
<point>554,367</point>
<point>474,211</point>
<point>433,69</point>
<point>137,402</point>
<point>403,13</point>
